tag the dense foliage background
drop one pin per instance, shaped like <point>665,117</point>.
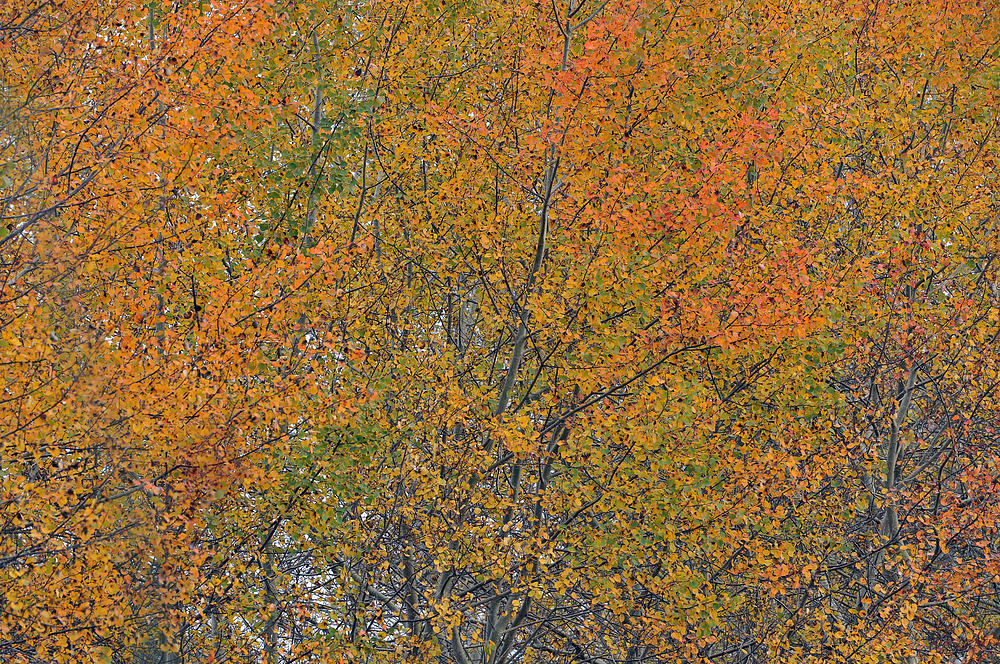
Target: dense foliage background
<point>499,332</point>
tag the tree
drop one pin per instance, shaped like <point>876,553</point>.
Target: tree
<point>494,333</point>
<point>125,414</point>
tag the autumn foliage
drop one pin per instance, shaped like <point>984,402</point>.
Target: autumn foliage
<point>499,332</point>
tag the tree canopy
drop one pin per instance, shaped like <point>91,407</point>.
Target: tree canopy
<point>478,332</point>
